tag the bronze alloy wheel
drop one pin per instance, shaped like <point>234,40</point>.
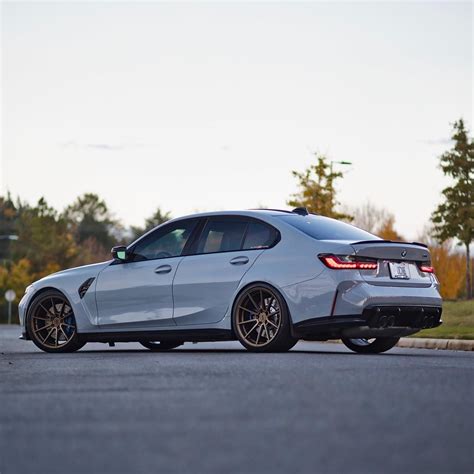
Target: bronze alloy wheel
<point>261,320</point>
<point>52,325</point>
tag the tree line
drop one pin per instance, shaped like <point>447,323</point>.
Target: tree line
<point>36,240</point>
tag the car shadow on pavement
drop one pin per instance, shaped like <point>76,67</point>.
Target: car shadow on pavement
<point>183,351</point>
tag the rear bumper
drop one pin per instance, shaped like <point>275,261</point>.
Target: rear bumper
<point>333,293</point>
<point>375,321</point>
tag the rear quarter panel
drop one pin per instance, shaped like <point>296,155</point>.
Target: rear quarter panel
<point>293,267</point>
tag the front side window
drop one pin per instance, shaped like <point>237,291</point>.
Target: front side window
<point>166,242</point>
<point>222,236</point>
<point>324,228</point>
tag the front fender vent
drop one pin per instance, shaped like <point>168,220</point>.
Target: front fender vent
<point>84,287</point>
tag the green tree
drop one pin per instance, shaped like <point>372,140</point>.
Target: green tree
<point>454,217</point>
<point>316,189</point>
<point>90,219</point>
<point>43,239</point>
<point>10,218</point>
<point>8,215</point>
<point>157,218</point>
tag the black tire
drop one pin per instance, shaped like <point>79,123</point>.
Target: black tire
<point>51,323</point>
<point>160,346</point>
<point>262,310</point>
<point>369,346</point>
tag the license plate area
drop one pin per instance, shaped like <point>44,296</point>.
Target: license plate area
<point>399,270</point>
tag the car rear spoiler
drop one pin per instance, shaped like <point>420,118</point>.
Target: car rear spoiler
<point>381,241</point>
<point>391,250</point>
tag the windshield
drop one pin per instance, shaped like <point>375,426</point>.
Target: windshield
<point>324,228</point>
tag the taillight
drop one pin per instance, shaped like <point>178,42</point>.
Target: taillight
<point>343,262</point>
<point>427,269</point>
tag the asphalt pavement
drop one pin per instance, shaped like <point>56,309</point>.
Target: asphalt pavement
<point>215,408</point>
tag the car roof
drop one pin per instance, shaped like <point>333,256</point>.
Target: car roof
<point>243,212</point>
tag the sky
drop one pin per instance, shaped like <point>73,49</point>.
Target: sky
<point>210,106</point>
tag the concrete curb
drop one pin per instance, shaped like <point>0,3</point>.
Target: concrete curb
<point>427,343</point>
<point>443,344</point>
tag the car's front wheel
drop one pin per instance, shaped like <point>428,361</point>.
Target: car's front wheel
<point>52,324</point>
<point>158,346</point>
<point>261,320</point>
<point>371,346</point>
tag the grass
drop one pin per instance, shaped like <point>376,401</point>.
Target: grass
<point>458,322</point>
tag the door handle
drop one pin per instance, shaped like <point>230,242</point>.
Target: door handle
<point>163,269</point>
<point>239,261</point>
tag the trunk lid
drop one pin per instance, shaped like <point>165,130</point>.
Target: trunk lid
<point>398,263</point>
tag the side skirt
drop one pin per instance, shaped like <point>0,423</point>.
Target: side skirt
<point>185,335</point>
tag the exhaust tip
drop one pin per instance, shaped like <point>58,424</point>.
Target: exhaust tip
<point>383,322</point>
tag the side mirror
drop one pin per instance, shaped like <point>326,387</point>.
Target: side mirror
<point>120,252</point>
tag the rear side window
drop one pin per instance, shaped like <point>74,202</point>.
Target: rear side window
<point>259,236</point>
<point>324,228</point>
<point>222,236</point>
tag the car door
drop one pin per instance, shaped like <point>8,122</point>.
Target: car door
<point>138,292</point>
<point>206,280</point>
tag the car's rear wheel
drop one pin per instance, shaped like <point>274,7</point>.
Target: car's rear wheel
<point>52,324</point>
<point>161,345</point>
<point>370,346</point>
<point>261,320</point>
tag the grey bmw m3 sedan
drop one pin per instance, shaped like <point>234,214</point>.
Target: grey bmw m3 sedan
<point>266,278</point>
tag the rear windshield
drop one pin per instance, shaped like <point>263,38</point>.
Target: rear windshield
<point>324,228</point>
